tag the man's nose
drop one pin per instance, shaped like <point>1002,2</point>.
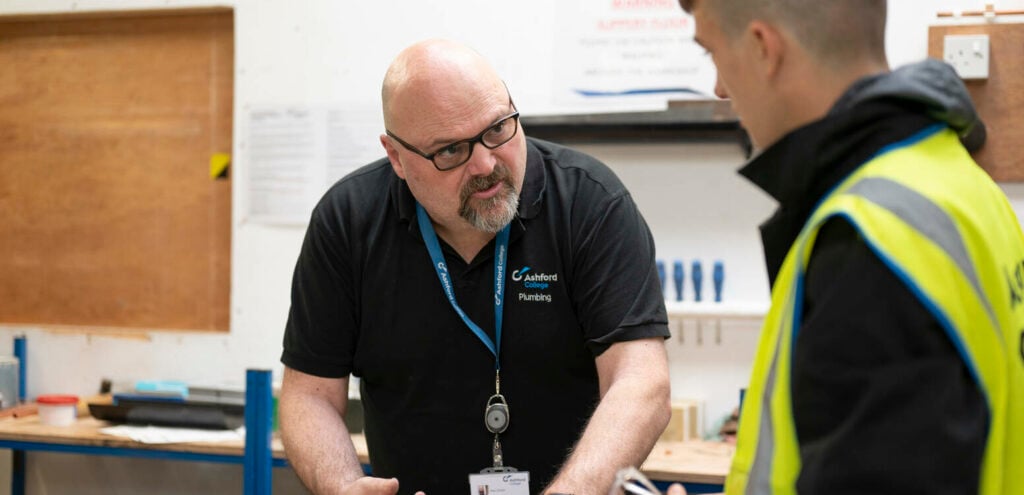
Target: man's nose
<point>481,161</point>
<point>720,88</point>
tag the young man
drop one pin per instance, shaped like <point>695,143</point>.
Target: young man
<point>891,360</point>
<point>473,270</point>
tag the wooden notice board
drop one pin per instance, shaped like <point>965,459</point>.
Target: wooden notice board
<point>999,99</point>
<point>109,216</point>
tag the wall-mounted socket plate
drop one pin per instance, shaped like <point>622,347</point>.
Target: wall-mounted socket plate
<point>968,54</point>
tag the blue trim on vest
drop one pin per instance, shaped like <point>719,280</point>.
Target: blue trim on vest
<point>919,136</point>
<point>798,313</point>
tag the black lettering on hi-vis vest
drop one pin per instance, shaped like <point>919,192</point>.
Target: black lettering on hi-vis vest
<point>1022,345</point>
<point>1016,285</point>
<point>1019,272</point>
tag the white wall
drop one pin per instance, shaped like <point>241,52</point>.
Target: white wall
<point>331,52</point>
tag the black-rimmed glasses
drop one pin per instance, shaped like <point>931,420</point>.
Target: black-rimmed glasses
<point>455,154</point>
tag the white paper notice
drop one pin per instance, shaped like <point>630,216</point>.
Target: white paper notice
<point>161,434</point>
<point>627,55</point>
<point>284,146</point>
<point>353,140</point>
<point>295,153</point>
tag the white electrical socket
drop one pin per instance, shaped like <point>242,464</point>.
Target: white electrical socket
<point>968,54</point>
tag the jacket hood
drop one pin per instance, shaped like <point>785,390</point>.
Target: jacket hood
<point>934,85</point>
<point>874,112</point>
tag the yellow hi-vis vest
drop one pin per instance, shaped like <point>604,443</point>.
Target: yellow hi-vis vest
<point>947,231</point>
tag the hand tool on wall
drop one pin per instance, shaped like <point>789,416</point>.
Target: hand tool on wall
<point>677,277</point>
<point>718,277</point>
<point>661,277</point>
<point>697,276</point>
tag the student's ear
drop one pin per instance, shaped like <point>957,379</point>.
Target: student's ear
<point>389,148</point>
<point>769,47</point>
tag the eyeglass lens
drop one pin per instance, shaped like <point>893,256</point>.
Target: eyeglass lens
<point>456,154</point>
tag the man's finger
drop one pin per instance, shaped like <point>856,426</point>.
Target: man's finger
<point>676,489</point>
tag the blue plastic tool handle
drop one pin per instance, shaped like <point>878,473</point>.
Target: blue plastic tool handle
<point>661,274</point>
<point>678,278</point>
<point>718,275</point>
<point>696,273</point>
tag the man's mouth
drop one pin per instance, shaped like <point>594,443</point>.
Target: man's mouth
<point>489,192</point>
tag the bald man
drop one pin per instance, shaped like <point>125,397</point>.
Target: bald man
<point>497,295</point>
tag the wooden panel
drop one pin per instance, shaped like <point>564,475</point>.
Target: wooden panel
<point>999,99</point>
<point>108,214</point>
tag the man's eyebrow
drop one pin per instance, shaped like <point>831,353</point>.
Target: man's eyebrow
<point>439,141</point>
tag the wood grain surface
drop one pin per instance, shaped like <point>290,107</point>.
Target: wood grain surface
<point>999,99</point>
<point>108,212</point>
<point>694,462</point>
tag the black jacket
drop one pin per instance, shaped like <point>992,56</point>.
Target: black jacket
<point>882,401</point>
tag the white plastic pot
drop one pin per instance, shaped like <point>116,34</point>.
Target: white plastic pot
<point>57,410</point>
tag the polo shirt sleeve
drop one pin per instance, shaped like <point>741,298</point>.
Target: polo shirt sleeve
<point>616,289</point>
<point>320,335</point>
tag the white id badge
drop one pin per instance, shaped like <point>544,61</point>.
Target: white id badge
<point>514,483</point>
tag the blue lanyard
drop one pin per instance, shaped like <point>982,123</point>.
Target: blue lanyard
<point>500,253</point>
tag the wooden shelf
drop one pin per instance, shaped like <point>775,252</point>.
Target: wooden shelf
<point>717,311</point>
<point>682,121</point>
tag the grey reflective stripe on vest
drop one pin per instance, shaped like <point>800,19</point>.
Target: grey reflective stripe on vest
<point>759,480</point>
<point>927,218</point>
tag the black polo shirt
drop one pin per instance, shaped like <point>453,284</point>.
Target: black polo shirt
<point>367,301</point>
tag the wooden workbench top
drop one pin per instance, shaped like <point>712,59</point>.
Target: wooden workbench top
<point>694,462</point>
<point>85,431</point>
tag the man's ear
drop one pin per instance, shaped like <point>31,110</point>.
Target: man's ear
<point>389,148</point>
<point>769,47</point>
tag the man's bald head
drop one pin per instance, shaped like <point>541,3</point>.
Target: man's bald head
<point>434,72</point>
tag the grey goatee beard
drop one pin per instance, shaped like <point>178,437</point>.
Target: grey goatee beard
<point>492,214</point>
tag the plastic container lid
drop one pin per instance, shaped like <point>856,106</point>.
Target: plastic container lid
<point>57,400</point>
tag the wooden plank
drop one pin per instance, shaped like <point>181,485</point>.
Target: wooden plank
<point>107,125</point>
<point>112,14</point>
<point>999,99</point>
<point>85,432</point>
<point>691,462</point>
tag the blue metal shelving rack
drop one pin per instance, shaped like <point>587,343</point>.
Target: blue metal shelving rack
<point>257,460</point>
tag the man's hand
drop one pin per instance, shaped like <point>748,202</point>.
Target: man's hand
<point>368,485</point>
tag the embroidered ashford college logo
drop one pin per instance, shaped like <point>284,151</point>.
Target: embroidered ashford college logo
<point>533,286</point>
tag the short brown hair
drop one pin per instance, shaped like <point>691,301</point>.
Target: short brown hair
<point>834,31</point>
